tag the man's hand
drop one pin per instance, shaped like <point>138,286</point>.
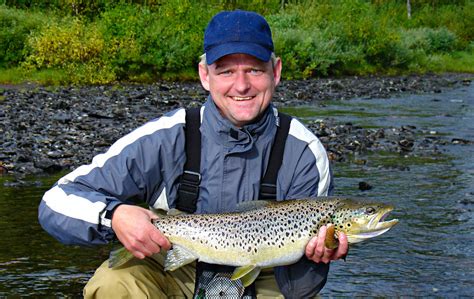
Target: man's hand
<point>132,226</point>
<point>317,252</point>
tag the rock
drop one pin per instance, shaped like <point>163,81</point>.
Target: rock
<point>461,141</point>
<point>363,186</point>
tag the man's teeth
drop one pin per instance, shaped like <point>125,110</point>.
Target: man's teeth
<point>241,98</point>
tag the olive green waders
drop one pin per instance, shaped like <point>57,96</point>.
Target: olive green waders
<point>147,279</point>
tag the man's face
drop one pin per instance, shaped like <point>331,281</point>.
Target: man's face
<point>241,86</point>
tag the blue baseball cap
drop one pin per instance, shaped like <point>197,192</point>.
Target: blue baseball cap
<point>239,31</point>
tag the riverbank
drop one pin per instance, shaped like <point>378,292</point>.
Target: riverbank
<point>46,130</point>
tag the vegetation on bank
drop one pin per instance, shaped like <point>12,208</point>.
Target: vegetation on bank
<point>98,42</point>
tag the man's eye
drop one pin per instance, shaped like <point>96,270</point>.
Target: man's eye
<point>256,71</point>
<point>225,73</point>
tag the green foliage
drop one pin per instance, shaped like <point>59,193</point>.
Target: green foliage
<point>459,19</point>
<point>429,40</point>
<point>72,46</point>
<point>101,41</point>
<point>15,26</point>
<point>317,53</point>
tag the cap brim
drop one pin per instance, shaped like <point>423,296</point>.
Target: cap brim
<point>252,49</point>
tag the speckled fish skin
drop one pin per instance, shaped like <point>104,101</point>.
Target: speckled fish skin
<point>274,234</point>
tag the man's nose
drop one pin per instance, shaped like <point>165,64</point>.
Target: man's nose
<point>242,82</point>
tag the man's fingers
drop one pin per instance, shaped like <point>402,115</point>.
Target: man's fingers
<point>317,251</point>
<point>315,247</point>
<point>320,247</point>
<point>343,248</point>
<point>310,247</point>
<point>160,240</point>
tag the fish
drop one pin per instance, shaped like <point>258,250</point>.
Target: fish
<point>263,234</point>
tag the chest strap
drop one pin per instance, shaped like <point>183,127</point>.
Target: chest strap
<point>188,188</point>
<point>268,183</point>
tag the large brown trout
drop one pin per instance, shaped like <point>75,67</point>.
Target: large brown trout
<point>266,233</point>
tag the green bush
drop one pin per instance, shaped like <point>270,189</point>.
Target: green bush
<point>105,41</point>
<point>307,54</point>
<point>458,19</point>
<point>162,41</point>
<point>73,46</point>
<point>441,40</point>
<point>429,40</point>
<point>15,26</point>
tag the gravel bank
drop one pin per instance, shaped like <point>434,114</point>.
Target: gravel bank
<point>45,130</point>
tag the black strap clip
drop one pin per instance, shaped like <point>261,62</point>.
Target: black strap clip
<point>188,191</point>
<point>267,191</point>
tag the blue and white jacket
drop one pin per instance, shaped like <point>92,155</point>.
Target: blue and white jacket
<point>145,166</point>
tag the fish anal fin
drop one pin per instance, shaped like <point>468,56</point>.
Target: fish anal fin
<point>177,257</point>
<point>331,241</point>
<point>246,274</point>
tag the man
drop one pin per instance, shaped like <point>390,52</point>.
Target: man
<point>95,203</point>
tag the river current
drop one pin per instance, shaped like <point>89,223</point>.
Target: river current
<point>429,253</point>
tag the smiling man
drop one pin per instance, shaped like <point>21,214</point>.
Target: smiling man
<point>241,86</point>
<point>239,129</point>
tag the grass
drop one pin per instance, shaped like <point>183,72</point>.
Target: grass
<point>18,75</point>
<point>456,62</point>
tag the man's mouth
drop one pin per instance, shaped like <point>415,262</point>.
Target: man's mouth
<point>241,98</point>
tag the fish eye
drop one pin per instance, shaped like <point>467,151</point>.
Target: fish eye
<point>370,210</point>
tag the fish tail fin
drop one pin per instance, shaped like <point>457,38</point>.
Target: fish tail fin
<point>118,257</point>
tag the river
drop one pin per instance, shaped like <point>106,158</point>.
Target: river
<point>429,253</point>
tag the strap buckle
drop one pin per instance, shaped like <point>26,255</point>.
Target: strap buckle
<point>188,191</point>
<point>267,191</point>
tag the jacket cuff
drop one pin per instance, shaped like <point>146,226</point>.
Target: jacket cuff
<point>303,279</point>
<point>105,219</point>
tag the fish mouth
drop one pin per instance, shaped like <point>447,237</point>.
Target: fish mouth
<point>376,226</point>
<point>378,221</point>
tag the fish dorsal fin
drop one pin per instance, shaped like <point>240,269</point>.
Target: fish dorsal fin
<point>252,205</point>
<point>246,274</point>
<point>177,257</point>
<point>175,212</point>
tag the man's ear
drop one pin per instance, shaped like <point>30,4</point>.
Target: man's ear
<point>277,71</point>
<point>204,76</point>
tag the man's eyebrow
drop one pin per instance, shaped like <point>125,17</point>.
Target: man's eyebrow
<point>220,65</point>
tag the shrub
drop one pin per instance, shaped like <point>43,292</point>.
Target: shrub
<point>74,47</point>
<point>306,54</point>
<point>441,40</point>
<point>15,26</point>
<point>429,40</point>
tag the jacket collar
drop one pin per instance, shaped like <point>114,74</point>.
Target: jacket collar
<point>224,132</point>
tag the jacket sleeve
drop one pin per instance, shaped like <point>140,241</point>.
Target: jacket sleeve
<point>135,169</point>
<point>312,177</point>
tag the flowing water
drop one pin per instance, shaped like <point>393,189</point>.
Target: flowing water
<point>429,253</point>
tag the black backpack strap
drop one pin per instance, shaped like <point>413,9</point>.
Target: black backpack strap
<point>268,184</point>
<point>188,189</point>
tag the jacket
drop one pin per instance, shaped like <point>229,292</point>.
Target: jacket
<point>145,166</point>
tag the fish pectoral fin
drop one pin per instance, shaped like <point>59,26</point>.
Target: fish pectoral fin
<point>246,274</point>
<point>177,257</point>
<point>119,256</point>
<point>331,240</point>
